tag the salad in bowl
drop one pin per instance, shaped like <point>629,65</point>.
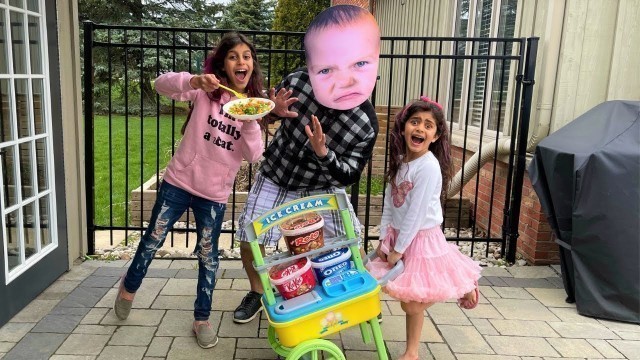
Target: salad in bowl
<point>249,108</point>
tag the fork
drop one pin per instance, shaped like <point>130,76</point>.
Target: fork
<point>237,94</point>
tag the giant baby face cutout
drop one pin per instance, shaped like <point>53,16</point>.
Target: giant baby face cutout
<point>343,62</point>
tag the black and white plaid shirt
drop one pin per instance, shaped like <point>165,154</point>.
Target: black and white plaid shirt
<point>290,161</point>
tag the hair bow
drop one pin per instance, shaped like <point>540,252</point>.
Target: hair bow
<point>428,100</point>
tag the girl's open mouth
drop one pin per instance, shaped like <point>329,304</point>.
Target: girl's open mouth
<point>240,74</point>
<point>417,140</point>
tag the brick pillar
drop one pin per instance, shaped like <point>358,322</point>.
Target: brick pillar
<point>535,243</point>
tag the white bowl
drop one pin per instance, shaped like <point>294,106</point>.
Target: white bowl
<point>245,117</point>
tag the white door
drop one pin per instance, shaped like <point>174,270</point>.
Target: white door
<point>27,187</point>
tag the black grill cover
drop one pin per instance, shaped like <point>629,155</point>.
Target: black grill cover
<point>587,176</point>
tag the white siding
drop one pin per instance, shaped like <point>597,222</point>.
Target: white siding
<point>624,81</point>
<point>414,18</point>
<point>569,62</point>
<point>599,55</point>
<point>68,40</point>
<point>531,21</point>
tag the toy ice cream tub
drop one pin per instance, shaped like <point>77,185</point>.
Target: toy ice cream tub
<point>303,233</point>
<point>293,278</point>
<point>331,263</point>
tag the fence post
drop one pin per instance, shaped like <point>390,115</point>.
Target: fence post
<point>527,80</point>
<point>88,134</point>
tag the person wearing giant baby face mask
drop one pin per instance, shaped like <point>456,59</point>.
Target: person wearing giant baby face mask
<point>327,131</point>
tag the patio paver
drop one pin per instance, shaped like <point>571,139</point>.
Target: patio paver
<point>522,315</point>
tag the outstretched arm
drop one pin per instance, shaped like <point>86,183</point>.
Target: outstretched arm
<point>283,101</point>
<point>176,86</point>
<point>205,82</point>
<point>183,86</point>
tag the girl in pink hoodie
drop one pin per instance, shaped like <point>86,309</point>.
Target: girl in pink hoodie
<point>201,173</point>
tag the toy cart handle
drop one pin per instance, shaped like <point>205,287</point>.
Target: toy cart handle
<point>391,274</point>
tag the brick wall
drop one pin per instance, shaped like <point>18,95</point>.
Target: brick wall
<point>535,243</point>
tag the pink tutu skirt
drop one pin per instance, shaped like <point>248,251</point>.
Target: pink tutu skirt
<point>434,270</point>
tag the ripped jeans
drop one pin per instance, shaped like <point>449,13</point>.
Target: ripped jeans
<point>171,203</point>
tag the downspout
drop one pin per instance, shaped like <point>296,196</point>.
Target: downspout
<point>553,34</point>
<point>476,162</point>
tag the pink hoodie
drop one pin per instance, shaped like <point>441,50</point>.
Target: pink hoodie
<point>213,145</point>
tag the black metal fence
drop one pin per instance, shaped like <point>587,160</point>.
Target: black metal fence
<point>131,132</point>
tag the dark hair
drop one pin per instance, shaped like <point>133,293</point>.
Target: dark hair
<point>214,64</point>
<point>440,148</point>
<point>338,15</point>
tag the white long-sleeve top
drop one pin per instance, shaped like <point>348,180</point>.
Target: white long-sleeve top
<point>415,203</point>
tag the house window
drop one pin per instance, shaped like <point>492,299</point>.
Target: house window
<point>26,166</point>
<point>480,85</point>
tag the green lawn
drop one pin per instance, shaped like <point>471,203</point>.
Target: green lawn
<point>377,185</point>
<point>110,174</point>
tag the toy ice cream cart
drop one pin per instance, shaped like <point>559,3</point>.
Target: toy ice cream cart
<point>308,309</point>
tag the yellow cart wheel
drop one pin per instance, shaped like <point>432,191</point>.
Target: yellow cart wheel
<point>275,343</point>
<point>316,349</point>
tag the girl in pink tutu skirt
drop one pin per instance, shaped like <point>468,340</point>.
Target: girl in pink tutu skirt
<point>419,172</point>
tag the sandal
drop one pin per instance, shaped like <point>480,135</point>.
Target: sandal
<point>122,306</point>
<point>468,304</point>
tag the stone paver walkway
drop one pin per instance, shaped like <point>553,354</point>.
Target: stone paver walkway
<point>522,316</point>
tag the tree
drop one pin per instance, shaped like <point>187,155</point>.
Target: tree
<point>177,13</point>
<point>248,15</point>
<point>141,65</point>
<point>292,15</point>
<point>296,15</point>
